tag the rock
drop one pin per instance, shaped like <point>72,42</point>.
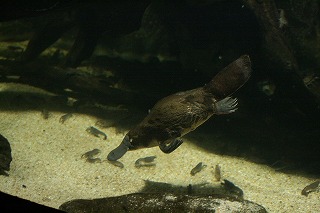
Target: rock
<point>163,202</point>
<point>5,155</point>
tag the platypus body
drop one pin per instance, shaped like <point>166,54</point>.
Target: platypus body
<point>180,113</point>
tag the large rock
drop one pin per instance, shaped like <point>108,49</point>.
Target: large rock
<point>162,202</point>
<point>5,155</point>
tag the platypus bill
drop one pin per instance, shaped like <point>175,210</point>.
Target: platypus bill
<point>180,113</point>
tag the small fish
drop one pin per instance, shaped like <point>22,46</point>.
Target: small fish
<point>65,117</point>
<point>45,113</point>
<point>197,168</point>
<point>217,172</point>
<point>147,161</point>
<point>89,156</point>
<point>313,187</point>
<point>96,132</point>
<point>91,153</point>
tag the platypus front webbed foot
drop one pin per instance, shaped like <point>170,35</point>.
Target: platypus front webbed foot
<point>120,150</point>
<point>171,146</point>
<point>226,105</point>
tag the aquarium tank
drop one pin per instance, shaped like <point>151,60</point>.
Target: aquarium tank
<point>160,106</point>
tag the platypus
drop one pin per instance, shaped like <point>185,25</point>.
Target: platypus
<point>176,115</point>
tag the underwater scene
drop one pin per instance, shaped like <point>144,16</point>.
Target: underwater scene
<point>160,106</point>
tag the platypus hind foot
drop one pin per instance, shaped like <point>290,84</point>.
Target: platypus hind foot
<point>226,106</point>
<point>171,146</point>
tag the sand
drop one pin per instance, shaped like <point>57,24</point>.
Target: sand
<point>47,167</point>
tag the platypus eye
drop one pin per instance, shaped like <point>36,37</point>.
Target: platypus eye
<point>128,141</point>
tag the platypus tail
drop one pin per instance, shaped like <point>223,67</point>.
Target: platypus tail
<point>230,79</point>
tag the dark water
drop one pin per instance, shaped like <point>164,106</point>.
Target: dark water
<point>124,54</point>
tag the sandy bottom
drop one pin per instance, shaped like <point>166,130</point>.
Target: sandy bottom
<point>47,167</point>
